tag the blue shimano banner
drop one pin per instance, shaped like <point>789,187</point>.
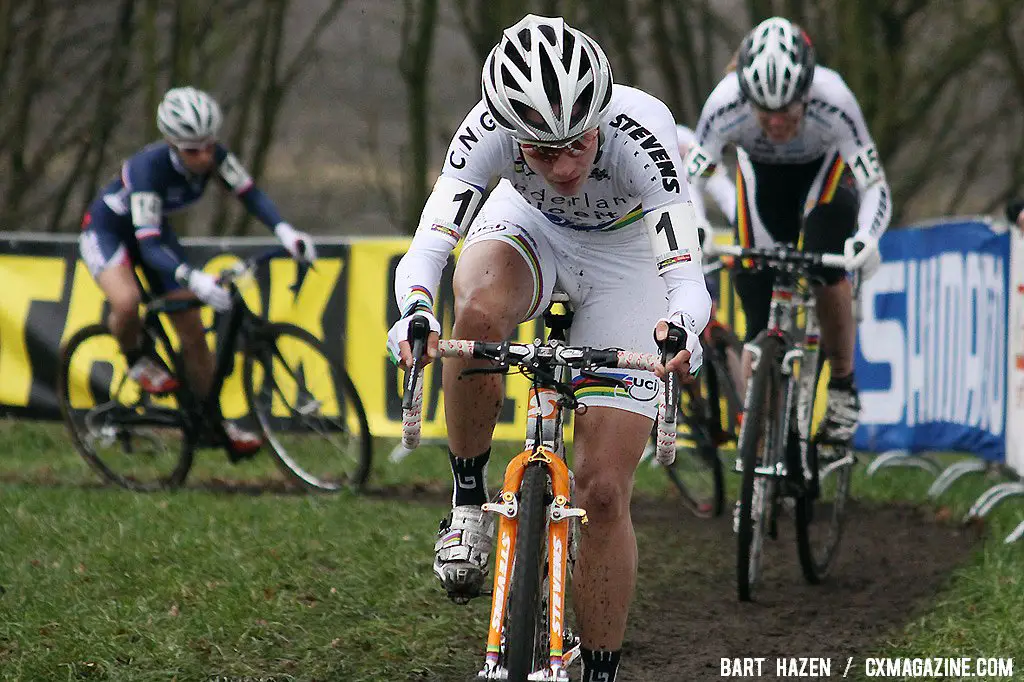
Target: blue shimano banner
<point>931,351</point>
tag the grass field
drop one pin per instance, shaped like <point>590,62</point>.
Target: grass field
<point>218,580</point>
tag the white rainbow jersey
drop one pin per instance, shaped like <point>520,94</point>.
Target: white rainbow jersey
<point>636,176</point>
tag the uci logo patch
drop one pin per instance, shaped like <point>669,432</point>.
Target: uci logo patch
<point>642,388</point>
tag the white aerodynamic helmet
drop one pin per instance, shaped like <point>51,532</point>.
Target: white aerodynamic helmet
<point>775,64</point>
<point>545,81</point>
<point>188,115</point>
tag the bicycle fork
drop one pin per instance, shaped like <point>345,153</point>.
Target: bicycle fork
<point>559,514</point>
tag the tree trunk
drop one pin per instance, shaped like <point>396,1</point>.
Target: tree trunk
<point>243,108</point>
<point>418,24</point>
<point>271,100</point>
<point>22,98</point>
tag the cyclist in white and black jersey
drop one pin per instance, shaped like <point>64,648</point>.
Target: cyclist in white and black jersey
<point>719,186</point>
<point>808,171</point>
<point>591,195</point>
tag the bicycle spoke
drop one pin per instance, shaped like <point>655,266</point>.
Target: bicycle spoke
<point>309,410</point>
<point>125,434</point>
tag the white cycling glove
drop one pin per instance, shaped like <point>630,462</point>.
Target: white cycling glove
<point>400,332</point>
<point>290,238</point>
<point>204,286</point>
<point>692,342</point>
<point>707,239</point>
<point>862,254</point>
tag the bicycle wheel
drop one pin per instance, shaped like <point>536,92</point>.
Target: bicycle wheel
<point>128,436</point>
<point>308,409</point>
<point>821,506</point>
<point>725,355</point>
<point>758,446</point>
<point>697,471</point>
<point>522,628</point>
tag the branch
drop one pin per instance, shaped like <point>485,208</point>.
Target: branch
<point>664,54</point>
<point>30,83</point>
<point>1011,51</point>
<point>272,95</point>
<point>108,104</point>
<point>988,130</point>
<point>252,77</point>
<point>912,181</point>
<point>309,45</point>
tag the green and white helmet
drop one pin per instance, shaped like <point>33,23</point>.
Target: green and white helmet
<point>775,64</point>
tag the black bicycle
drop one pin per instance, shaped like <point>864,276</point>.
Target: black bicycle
<point>295,393</point>
<point>777,453</point>
<point>709,414</point>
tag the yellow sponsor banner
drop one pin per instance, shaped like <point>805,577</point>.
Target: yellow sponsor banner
<point>27,280</point>
<point>347,302</point>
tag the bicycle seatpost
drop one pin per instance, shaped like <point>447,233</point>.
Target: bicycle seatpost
<point>419,329</point>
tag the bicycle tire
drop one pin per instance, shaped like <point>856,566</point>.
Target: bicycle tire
<point>724,342</point>
<point>697,472</point>
<point>521,627</point>
<point>86,438</point>
<point>818,546</point>
<point>762,406</point>
<point>314,371</point>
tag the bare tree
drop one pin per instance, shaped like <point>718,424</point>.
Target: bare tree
<point>613,24</point>
<point>278,79</point>
<point>418,21</point>
<point>483,22</point>
<point>29,82</point>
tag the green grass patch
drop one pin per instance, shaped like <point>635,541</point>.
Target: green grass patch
<point>216,579</point>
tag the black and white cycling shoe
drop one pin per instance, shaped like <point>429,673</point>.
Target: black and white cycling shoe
<point>842,415</point>
<point>464,541</point>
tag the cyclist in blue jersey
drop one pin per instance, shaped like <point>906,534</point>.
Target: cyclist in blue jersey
<point>126,225</point>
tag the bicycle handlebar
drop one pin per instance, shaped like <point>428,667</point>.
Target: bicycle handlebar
<point>529,355</point>
<point>784,256</point>
<point>228,275</point>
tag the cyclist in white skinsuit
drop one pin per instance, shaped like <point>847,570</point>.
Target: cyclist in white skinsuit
<point>809,171</point>
<point>591,196</point>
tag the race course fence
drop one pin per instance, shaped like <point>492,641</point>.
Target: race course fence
<point>940,353</point>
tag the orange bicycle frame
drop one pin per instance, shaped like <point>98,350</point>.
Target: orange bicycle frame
<point>559,513</point>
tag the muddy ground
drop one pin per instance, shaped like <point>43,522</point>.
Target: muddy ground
<point>893,562</point>
<point>687,617</point>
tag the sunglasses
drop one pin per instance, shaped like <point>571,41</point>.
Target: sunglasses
<point>791,109</point>
<point>551,151</point>
<point>193,148</point>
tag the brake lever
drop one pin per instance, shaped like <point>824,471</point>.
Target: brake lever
<point>419,329</point>
<point>303,266</point>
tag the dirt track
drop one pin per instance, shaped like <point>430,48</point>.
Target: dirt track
<point>686,616</point>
